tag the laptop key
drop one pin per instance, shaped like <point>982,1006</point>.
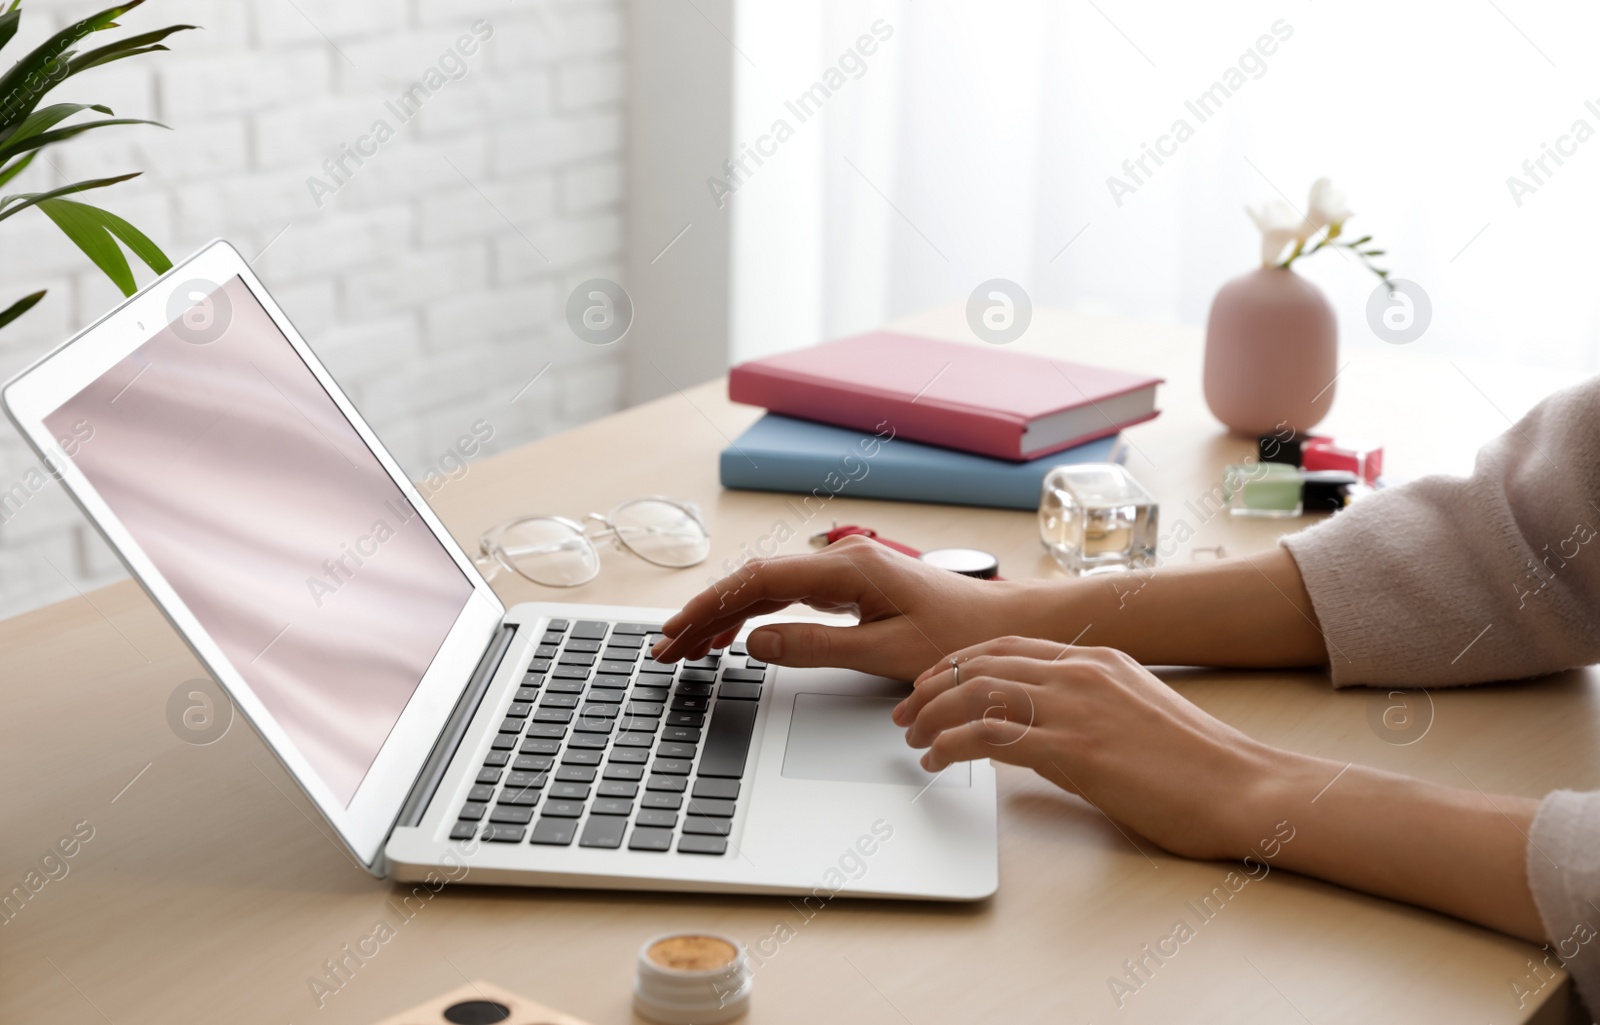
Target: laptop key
<point>539,665</point>
<point>694,690</point>
<point>576,658</point>
<point>645,838</point>
<point>643,693</point>
<point>563,809</point>
<point>652,667</point>
<point>606,695</point>
<point>504,742</point>
<point>554,832</point>
<point>525,796</point>
<point>511,813</point>
<point>633,738</point>
<point>738,648</point>
<point>519,710</point>
<point>744,675</point>
<point>636,628</point>
<point>685,719</point>
<point>575,774</point>
<point>533,763</point>
<point>569,792</point>
<point>519,780</point>
<point>687,703</point>
<point>671,749</point>
<point>565,687</point>
<point>584,645</point>
<point>540,746</point>
<point>580,756</point>
<point>498,759</point>
<point>489,776</point>
<point>611,806</point>
<point>728,739</point>
<point>628,655</point>
<point>662,800</point>
<point>588,741</point>
<point>709,827</point>
<point>472,812</point>
<point>646,709</point>
<point>680,734</point>
<point>626,641</point>
<point>595,724</point>
<point>676,784</point>
<point>722,789</point>
<point>632,773</point>
<point>504,834</point>
<point>616,788</point>
<point>547,730</point>
<point>671,766</point>
<point>629,756</point>
<point>658,817</point>
<point>740,691</point>
<point>570,673</point>
<point>692,844</point>
<point>509,725</point>
<point>711,807</point>
<point>615,681</point>
<point>640,724</point>
<point>751,663</point>
<point>594,709</point>
<point>603,831</point>
<point>613,666</point>
<point>709,662</point>
<point>589,628</point>
<point>556,624</point>
<point>545,651</point>
<point>698,676</point>
<point>480,793</point>
<point>463,831</point>
<point>547,714</point>
<point>527,693</point>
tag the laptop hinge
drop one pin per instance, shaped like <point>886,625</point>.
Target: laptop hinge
<point>444,749</point>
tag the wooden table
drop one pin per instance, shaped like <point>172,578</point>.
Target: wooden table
<point>211,892</point>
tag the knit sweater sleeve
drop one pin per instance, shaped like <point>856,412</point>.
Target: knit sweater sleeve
<point>1450,580</point>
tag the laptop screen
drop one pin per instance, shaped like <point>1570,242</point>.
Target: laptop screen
<point>256,499</point>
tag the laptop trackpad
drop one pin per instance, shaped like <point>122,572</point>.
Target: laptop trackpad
<point>850,738</point>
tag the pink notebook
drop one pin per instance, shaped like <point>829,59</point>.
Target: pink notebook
<point>975,398</point>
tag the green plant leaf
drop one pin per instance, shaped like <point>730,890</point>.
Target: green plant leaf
<point>141,43</point>
<point>46,118</point>
<point>16,167</point>
<point>50,138</point>
<point>8,24</point>
<point>137,242</point>
<point>47,65</point>
<point>86,230</point>
<point>10,205</point>
<point>20,307</point>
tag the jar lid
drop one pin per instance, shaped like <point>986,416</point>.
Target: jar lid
<point>969,562</point>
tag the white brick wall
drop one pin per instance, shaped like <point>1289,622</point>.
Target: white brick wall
<point>426,303</point>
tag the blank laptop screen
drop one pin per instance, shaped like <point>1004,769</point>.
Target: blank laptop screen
<point>259,503</point>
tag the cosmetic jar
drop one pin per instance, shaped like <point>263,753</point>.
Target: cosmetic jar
<point>692,978</point>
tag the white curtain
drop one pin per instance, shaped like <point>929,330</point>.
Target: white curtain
<point>978,140</point>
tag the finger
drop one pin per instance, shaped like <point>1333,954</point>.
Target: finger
<point>811,645</point>
<point>1025,647</point>
<point>671,648</point>
<point>1002,741</point>
<point>985,699</point>
<point>772,584</point>
<point>938,681</point>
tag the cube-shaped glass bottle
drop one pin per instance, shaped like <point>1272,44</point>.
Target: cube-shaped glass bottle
<point>1095,517</point>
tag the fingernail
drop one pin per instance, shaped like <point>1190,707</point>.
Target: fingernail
<point>766,645</point>
<point>898,714</point>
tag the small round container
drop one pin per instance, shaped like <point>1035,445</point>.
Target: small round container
<point>692,978</point>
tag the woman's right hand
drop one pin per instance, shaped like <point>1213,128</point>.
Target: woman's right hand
<point>911,614</point>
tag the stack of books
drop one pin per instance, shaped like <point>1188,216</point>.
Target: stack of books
<point>887,415</point>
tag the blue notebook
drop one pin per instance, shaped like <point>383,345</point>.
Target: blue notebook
<point>779,453</point>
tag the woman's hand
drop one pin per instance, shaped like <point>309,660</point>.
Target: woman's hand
<point>911,613</point>
<point>1096,723</point>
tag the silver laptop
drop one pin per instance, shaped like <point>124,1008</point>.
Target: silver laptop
<point>442,734</point>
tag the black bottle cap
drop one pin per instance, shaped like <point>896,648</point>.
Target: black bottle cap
<point>1326,490</point>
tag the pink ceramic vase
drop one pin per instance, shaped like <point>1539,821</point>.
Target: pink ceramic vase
<point>1272,347</point>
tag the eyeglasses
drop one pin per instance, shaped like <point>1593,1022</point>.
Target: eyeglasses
<point>558,552</point>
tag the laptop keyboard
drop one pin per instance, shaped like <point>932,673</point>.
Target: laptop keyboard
<point>603,746</point>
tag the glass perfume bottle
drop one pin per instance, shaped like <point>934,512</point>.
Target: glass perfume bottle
<point>1094,517</point>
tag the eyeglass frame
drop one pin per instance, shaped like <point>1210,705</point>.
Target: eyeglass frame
<point>497,555</point>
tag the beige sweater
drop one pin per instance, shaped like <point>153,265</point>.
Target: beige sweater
<point>1496,576</point>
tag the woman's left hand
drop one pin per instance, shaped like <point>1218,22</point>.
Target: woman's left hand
<point>1098,724</point>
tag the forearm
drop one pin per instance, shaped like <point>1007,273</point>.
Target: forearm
<point>1251,611</point>
<point>1459,851</point>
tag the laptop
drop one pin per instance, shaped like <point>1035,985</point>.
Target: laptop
<point>441,734</point>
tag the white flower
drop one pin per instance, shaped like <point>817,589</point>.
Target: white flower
<point>1280,226</point>
<point>1326,207</point>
